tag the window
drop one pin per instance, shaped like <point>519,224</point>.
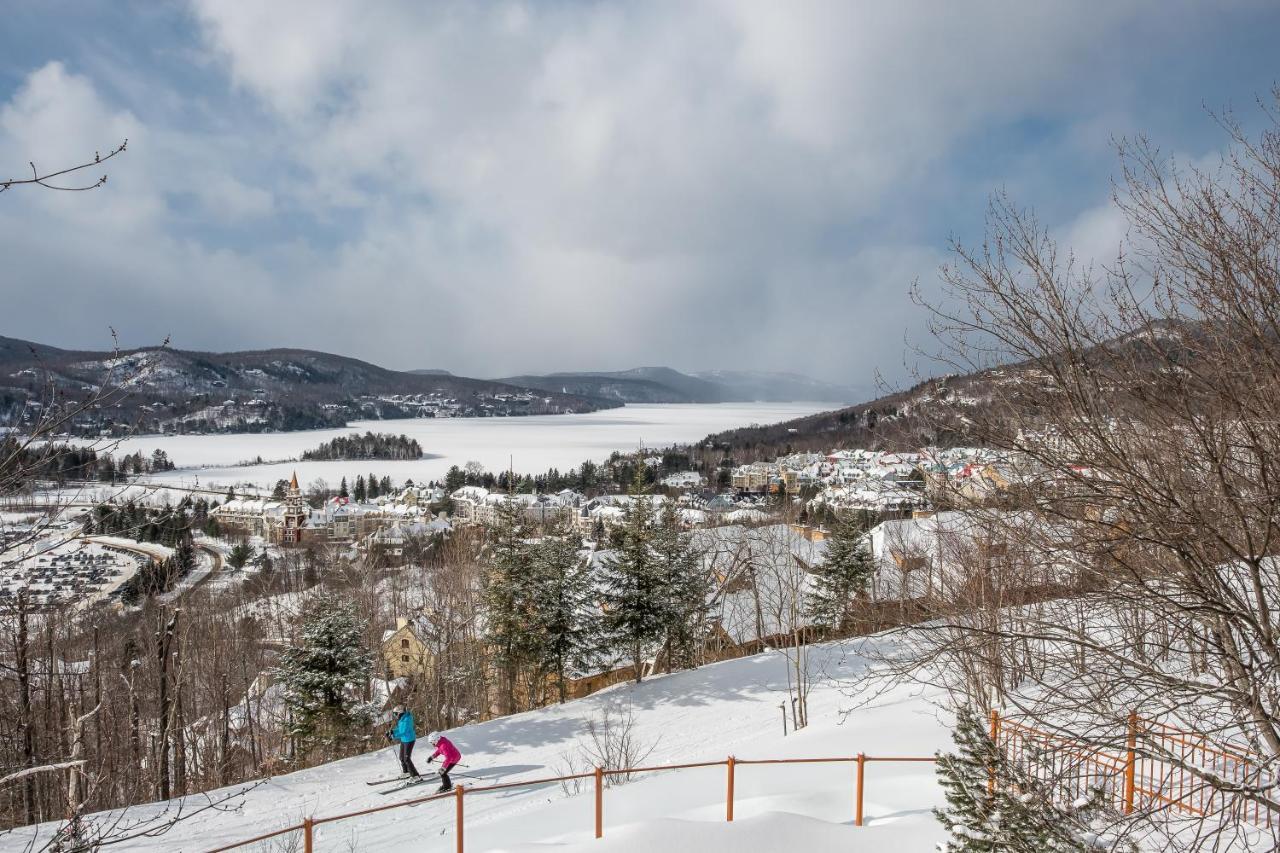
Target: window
<point>404,658</point>
<point>404,644</point>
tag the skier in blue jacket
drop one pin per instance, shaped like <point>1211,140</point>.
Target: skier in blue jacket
<point>404,733</point>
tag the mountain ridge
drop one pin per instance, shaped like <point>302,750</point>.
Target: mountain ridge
<point>164,389</point>
<point>667,385</point>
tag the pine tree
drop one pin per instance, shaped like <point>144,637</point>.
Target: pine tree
<point>342,489</point>
<point>842,576</point>
<point>360,493</point>
<point>633,583</point>
<point>964,778</point>
<point>507,597</point>
<point>372,486</point>
<point>686,587</point>
<point>385,486</point>
<point>562,599</point>
<point>323,674</point>
<point>993,807</point>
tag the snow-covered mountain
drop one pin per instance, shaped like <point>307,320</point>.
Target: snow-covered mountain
<point>665,385</point>
<point>165,389</point>
<point>730,708</point>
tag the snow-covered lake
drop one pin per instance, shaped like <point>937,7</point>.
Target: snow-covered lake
<point>531,445</point>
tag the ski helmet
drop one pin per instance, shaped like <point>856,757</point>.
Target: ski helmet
<point>434,737</point>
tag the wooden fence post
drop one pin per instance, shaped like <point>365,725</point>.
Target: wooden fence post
<point>857,808</point>
<point>599,802</point>
<point>728,804</point>
<point>458,797</point>
<point>1130,761</point>
<point>306,834</point>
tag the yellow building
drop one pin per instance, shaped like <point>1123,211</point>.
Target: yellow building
<point>404,652</point>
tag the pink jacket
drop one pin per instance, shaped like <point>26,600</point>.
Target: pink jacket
<point>446,749</point>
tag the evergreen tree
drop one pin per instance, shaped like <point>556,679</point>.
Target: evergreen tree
<point>633,583</point>
<point>454,479</point>
<point>562,607</point>
<point>684,594</point>
<point>281,489</point>
<point>843,574</point>
<point>240,554</point>
<point>342,489</point>
<point>231,494</point>
<point>372,486</point>
<point>993,807</point>
<point>360,493</point>
<point>323,674</point>
<point>507,596</point>
<point>385,486</point>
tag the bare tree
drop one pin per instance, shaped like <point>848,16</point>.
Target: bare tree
<point>1133,568</point>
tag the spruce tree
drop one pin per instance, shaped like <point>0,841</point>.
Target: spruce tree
<point>360,493</point>
<point>506,593</point>
<point>323,675</point>
<point>633,583</point>
<point>994,807</point>
<point>371,484</point>
<point>342,489</point>
<point>562,608</point>
<point>842,576</point>
<point>686,587</point>
<point>964,778</point>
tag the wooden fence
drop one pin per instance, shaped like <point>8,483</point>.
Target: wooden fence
<point>599,775</point>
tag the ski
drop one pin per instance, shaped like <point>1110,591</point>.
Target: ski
<point>388,779</point>
<point>410,784</point>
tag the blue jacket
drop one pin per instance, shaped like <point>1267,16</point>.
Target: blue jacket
<point>404,728</point>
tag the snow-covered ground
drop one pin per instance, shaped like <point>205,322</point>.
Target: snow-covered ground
<point>707,714</point>
<point>532,444</point>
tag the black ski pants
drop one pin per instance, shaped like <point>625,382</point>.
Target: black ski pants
<point>444,775</point>
<point>406,762</point>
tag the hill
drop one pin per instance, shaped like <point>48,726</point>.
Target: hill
<point>947,410</point>
<point>665,385</point>
<point>700,715</point>
<point>171,390</point>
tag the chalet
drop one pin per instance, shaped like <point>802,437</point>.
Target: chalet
<point>404,650</point>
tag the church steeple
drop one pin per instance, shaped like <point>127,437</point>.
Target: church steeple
<point>295,514</point>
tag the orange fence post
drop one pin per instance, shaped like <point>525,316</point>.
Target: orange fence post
<point>306,834</point>
<point>458,797</point>
<point>857,808</point>
<point>995,743</point>
<point>728,803</point>
<point>599,802</point>
<point>1130,761</point>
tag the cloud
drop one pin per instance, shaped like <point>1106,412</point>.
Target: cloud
<point>509,187</point>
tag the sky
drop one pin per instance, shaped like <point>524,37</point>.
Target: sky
<point>503,188</point>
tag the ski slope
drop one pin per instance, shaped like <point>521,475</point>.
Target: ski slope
<point>707,714</point>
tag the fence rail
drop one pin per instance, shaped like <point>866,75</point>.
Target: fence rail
<point>1159,767</point>
<point>308,825</point>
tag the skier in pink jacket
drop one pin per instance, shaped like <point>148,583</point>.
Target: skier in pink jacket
<point>449,755</point>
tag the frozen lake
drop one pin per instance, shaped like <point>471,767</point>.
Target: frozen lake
<point>531,444</point>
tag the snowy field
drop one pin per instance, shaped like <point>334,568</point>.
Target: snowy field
<point>532,444</point>
<point>708,714</point>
